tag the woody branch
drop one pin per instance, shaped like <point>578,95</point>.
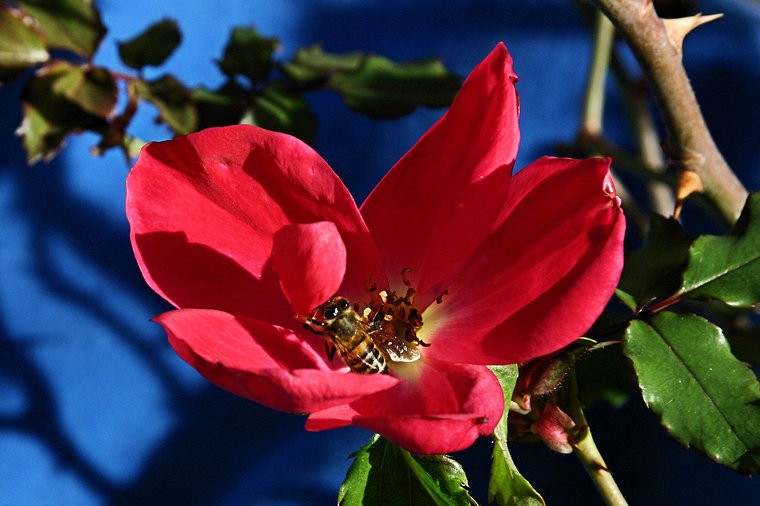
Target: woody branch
<point>657,46</point>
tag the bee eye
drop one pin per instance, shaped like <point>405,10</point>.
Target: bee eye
<point>336,307</point>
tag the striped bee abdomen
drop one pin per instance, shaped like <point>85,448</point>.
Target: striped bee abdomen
<point>361,355</point>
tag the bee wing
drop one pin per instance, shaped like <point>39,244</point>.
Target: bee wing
<point>337,344</point>
<point>397,349</point>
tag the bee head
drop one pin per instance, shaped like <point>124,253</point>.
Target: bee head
<point>333,308</point>
<point>324,315</point>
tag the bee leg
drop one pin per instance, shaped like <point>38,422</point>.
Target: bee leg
<point>311,324</point>
<point>378,319</point>
<point>330,350</point>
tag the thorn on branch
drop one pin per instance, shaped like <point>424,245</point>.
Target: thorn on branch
<point>680,27</point>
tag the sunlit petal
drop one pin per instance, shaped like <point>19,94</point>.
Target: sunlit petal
<point>443,410</point>
<point>263,362</point>
<point>435,205</point>
<point>543,277</point>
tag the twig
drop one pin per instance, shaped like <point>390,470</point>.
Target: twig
<point>593,103</point>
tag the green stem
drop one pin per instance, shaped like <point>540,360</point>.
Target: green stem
<point>593,462</point>
<point>586,450</point>
<point>593,104</point>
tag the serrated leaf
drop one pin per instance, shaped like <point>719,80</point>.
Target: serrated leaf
<point>276,109</point>
<point>375,85</point>
<point>50,114</point>
<point>727,267</point>
<point>506,485</point>
<point>21,46</point>
<point>383,473</point>
<point>704,396</point>
<point>654,270</point>
<point>173,101</point>
<point>67,24</point>
<point>151,47</point>
<point>248,54</point>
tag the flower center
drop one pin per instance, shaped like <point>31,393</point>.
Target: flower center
<point>396,315</point>
<point>368,338</point>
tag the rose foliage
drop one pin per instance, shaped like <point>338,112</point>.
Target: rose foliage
<point>243,229</point>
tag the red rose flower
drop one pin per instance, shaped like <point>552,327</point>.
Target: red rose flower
<point>249,233</point>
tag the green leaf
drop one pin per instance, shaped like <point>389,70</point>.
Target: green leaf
<point>151,47</point>
<point>375,85</point>
<point>704,396</point>
<point>507,486</point>
<point>91,88</point>
<point>276,109</point>
<point>312,64</point>
<point>627,299</point>
<point>248,54</point>
<point>654,270</point>
<point>225,106</point>
<point>173,101</point>
<point>382,474</point>
<point>20,45</point>
<point>727,267</point>
<point>54,108</point>
<point>67,24</point>
<point>273,107</point>
<point>384,89</point>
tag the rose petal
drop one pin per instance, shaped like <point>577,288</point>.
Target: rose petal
<point>203,210</point>
<point>542,279</point>
<point>443,410</point>
<point>195,275</point>
<point>310,260</point>
<point>263,362</point>
<point>434,206</point>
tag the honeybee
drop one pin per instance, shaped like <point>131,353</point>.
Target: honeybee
<point>364,347</point>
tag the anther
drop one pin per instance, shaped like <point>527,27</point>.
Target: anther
<point>405,276</point>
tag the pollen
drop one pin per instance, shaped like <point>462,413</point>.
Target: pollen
<point>396,313</point>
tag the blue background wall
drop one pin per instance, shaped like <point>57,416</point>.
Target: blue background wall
<point>95,407</point>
